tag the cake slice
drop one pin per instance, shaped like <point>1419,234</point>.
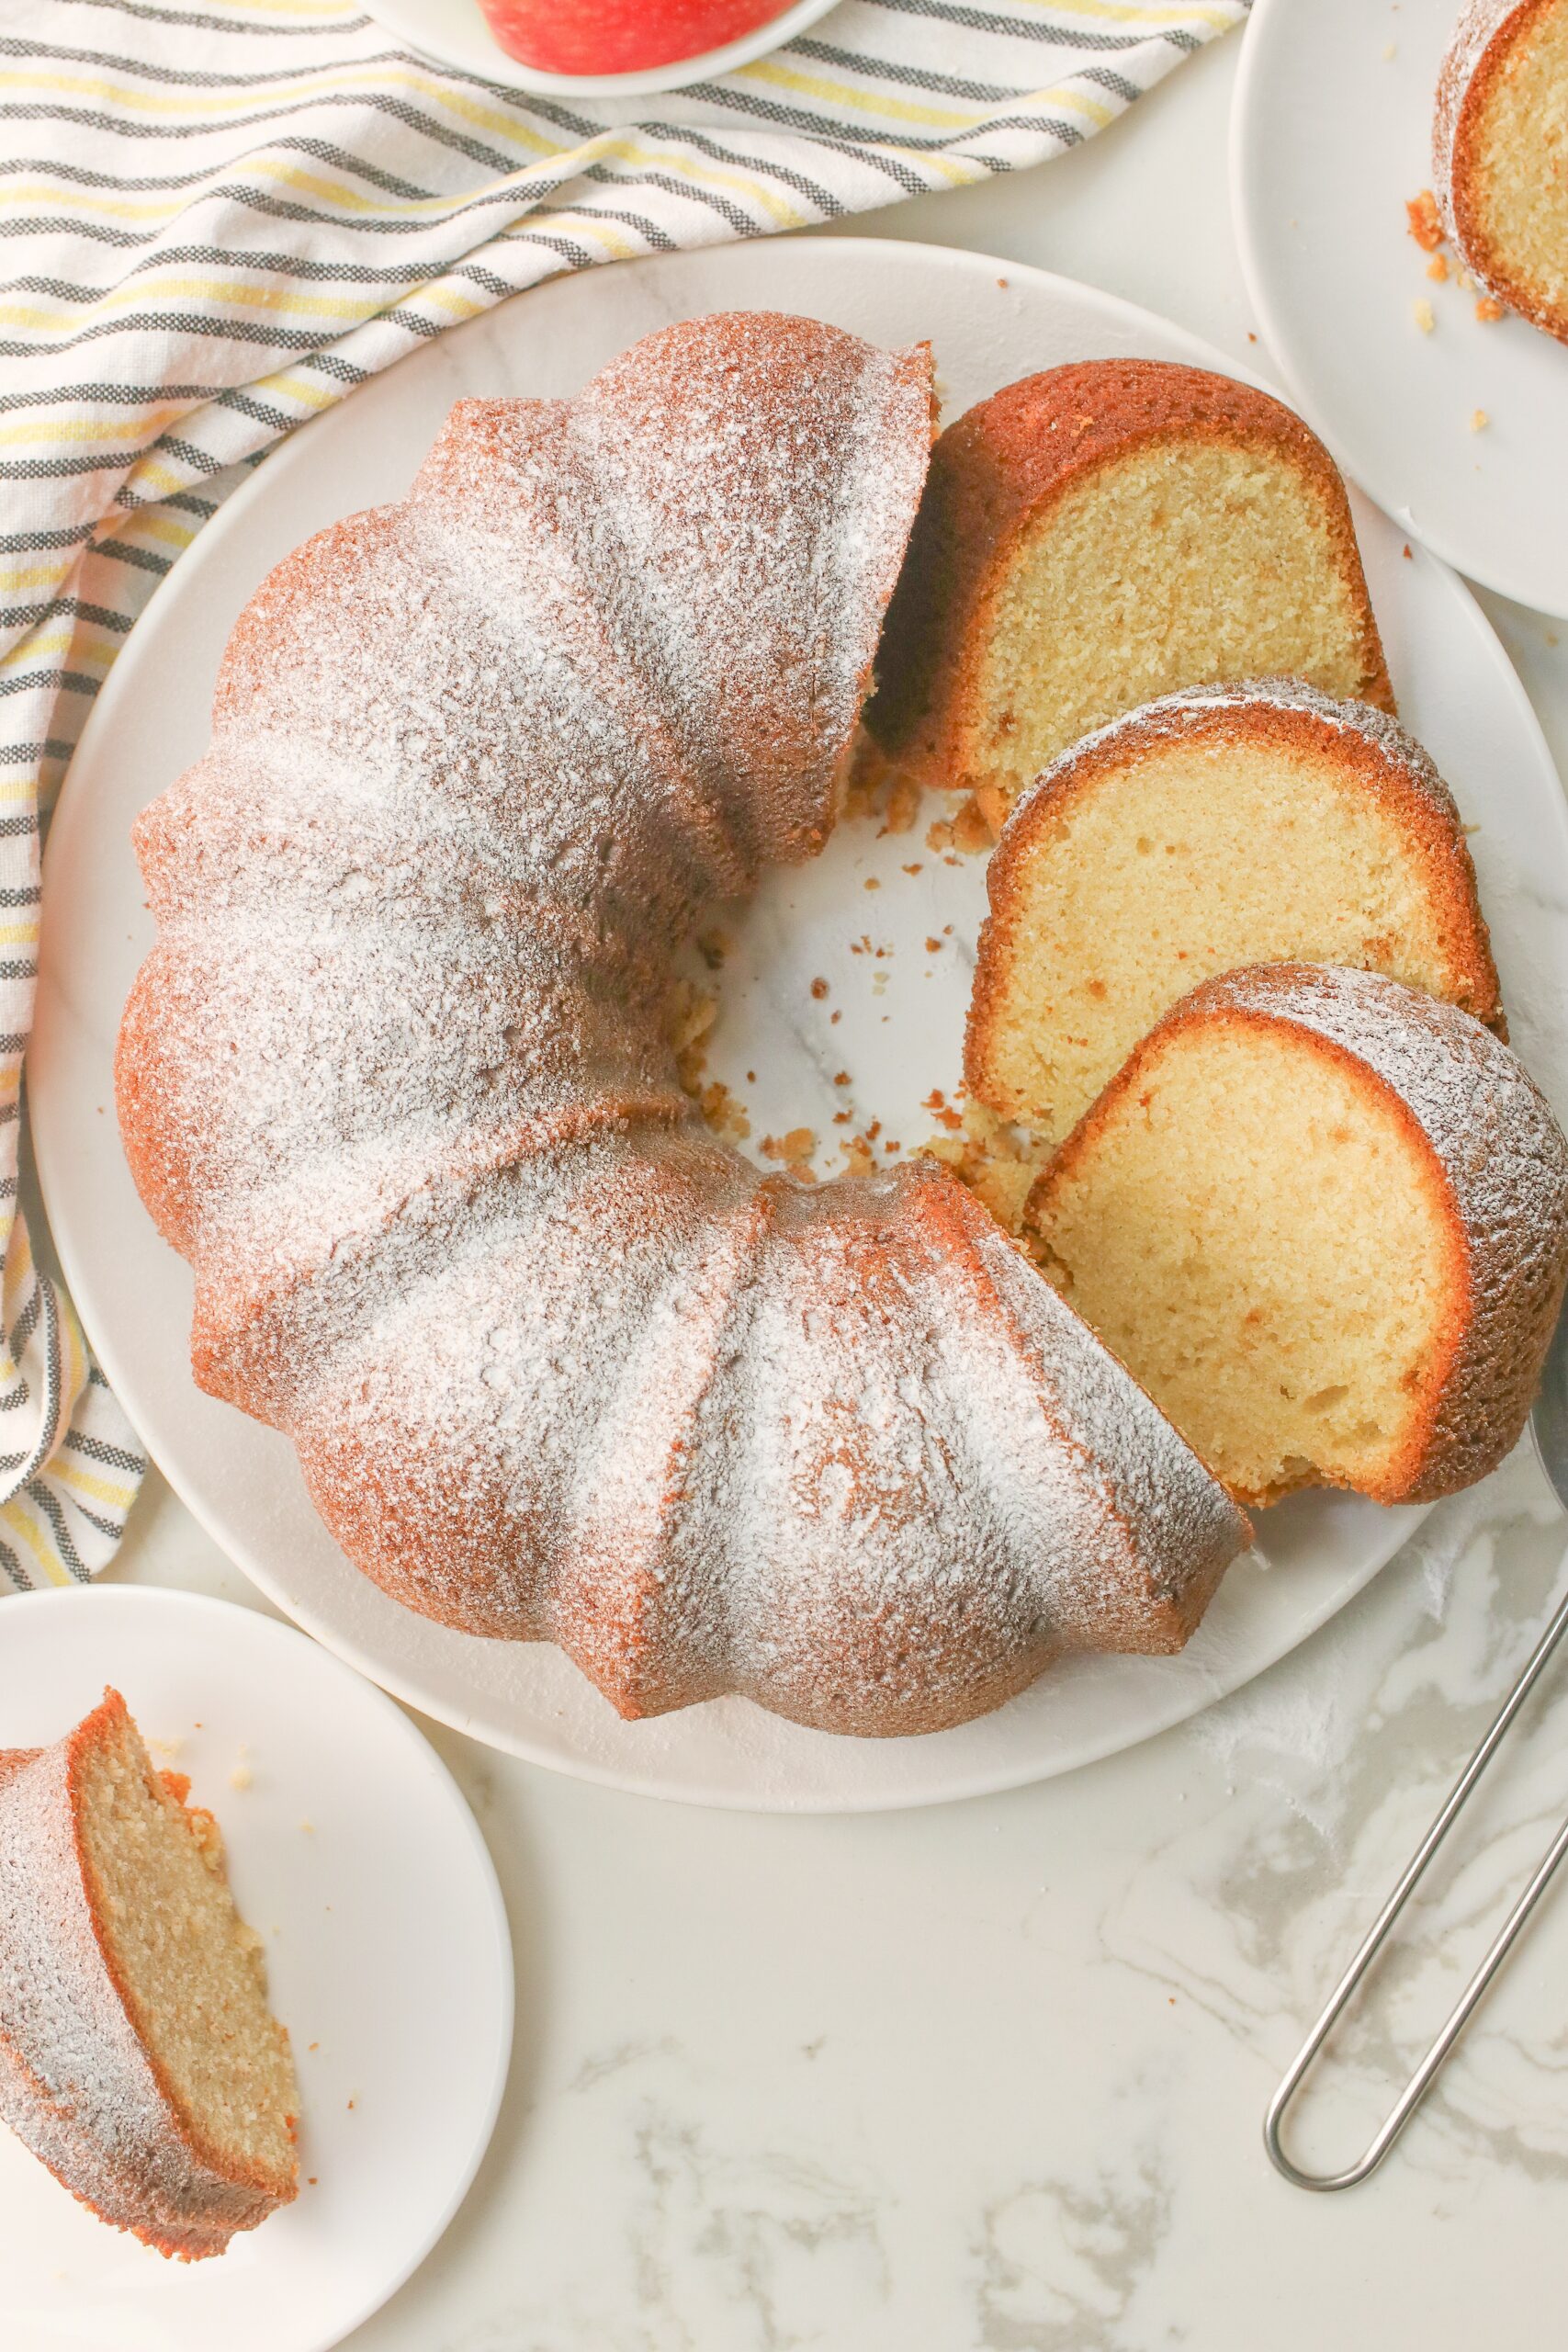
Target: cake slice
<point>138,2057</point>
<point>1258,823</point>
<point>1500,153</point>
<point>1323,1219</point>
<point>1100,534</point>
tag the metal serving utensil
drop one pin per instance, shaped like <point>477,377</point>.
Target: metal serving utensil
<point>1548,1427</point>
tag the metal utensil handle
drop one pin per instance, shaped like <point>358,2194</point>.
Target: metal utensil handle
<point>1421,2081</point>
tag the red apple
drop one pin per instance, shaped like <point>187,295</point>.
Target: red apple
<point>619,36</point>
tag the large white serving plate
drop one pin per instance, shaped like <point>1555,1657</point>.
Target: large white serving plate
<point>898,1036</point>
<point>1331,136</point>
<point>353,1853</point>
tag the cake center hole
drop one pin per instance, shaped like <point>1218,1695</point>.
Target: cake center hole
<point>823,1019</point>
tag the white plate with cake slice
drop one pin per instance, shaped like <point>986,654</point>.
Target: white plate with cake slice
<point>890,1022</point>
<point>352,1854</point>
<point>1453,421</point>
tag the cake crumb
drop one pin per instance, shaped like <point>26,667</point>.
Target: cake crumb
<point>1488,311</point>
<point>903,804</point>
<point>692,1013</point>
<point>966,829</point>
<point>916,868</point>
<point>722,1114</point>
<point>1425,222</point>
<point>877,789</point>
<point>1421,311</point>
<point>872,883</point>
<point>841,1077</point>
<point>791,1149</point>
<point>242,1777</point>
<point>1388,51</point>
<point>819,990</point>
<point>933,946</point>
<point>970,830</point>
<point>1437,267</point>
<point>996,1161</point>
<point>1479,420</point>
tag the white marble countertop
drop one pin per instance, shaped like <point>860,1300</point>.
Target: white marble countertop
<point>992,2075</point>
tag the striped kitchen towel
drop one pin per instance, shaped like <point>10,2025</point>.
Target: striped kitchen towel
<point>221,218</point>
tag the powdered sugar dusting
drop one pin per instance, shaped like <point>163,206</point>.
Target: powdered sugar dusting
<point>76,2085</point>
<point>558,1364</point>
<point>1484,1117</point>
<point>1472,34</point>
<point>1502,1155</point>
<point>1172,716</point>
<point>1481,24</point>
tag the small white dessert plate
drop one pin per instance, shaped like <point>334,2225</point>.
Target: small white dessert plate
<point>897,963</point>
<point>1331,137</point>
<point>352,1851</point>
<point>455,33</point>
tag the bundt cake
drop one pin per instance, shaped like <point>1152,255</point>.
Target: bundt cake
<point>1098,536</point>
<point>1247,824</point>
<point>558,1365</point>
<point>1500,153</point>
<point>138,2056</point>
<point>1323,1217</point>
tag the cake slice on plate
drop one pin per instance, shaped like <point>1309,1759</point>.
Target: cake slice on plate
<point>138,2056</point>
<point>1257,823</point>
<point>1500,153</point>
<point>1323,1219</point>
<point>1100,534</point>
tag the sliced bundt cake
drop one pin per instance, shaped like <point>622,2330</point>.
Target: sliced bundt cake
<point>1098,536</point>
<point>137,2055</point>
<point>1500,153</point>
<point>1324,1219</point>
<point>1259,823</point>
<point>396,1080</point>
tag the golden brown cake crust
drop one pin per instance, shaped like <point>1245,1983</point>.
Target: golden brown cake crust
<point>1000,465</point>
<point>1484,1138</point>
<point>178,2194</point>
<point>1485,37</point>
<point>1368,746</point>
